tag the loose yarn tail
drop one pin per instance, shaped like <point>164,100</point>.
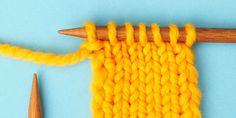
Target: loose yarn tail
<point>53,59</point>
<point>43,58</point>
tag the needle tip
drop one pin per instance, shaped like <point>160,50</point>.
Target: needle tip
<point>35,104</point>
<point>35,76</point>
<point>77,32</point>
<point>61,31</point>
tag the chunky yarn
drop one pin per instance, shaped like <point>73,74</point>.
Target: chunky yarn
<point>133,79</point>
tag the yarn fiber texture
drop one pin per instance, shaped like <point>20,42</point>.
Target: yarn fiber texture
<point>133,79</point>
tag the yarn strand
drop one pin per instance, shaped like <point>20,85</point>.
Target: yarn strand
<point>43,58</point>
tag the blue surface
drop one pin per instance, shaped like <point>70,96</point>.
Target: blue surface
<point>65,90</point>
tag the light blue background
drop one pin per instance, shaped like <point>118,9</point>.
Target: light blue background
<point>65,91</point>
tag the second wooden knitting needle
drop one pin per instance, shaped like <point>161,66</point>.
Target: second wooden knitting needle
<point>203,34</point>
<point>35,110</point>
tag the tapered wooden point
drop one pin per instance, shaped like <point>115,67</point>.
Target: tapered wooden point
<point>35,110</point>
<point>78,32</point>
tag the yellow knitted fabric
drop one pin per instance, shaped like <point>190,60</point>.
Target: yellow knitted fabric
<point>133,79</point>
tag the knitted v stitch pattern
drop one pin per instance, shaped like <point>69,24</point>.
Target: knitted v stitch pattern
<point>133,79</point>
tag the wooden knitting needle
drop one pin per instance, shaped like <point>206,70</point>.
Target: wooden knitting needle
<point>35,110</point>
<point>203,34</point>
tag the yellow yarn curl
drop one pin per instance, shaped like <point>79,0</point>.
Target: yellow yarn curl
<point>131,79</point>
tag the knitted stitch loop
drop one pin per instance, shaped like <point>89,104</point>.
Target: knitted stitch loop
<point>112,32</point>
<point>156,34</point>
<point>129,33</point>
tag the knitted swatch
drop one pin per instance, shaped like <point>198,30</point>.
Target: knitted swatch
<point>133,79</point>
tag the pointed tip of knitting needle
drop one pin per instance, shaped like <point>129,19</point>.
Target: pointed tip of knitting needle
<point>77,32</point>
<point>35,103</point>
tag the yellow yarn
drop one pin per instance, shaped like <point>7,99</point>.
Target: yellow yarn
<point>131,79</point>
